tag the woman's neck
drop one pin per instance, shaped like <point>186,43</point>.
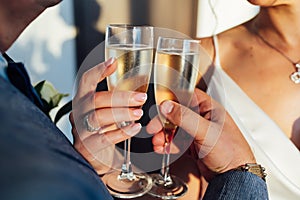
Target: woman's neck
<point>279,23</point>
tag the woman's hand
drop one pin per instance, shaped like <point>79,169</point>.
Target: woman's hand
<point>95,116</point>
<point>218,142</point>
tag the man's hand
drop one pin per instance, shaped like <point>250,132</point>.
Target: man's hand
<point>218,143</point>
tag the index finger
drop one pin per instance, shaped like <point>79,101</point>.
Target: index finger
<point>190,121</point>
<point>91,78</point>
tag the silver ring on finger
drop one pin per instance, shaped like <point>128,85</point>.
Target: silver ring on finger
<point>124,124</point>
<point>88,126</point>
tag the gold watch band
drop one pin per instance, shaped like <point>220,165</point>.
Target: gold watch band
<point>254,169</point>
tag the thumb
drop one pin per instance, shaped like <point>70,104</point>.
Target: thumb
<point>190,121</point>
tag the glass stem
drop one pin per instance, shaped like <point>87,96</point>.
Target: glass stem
<point>127,172</point>
<point>165,170</point>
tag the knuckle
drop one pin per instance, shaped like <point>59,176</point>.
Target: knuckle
<point>86,81</point>
<point>84,78</point>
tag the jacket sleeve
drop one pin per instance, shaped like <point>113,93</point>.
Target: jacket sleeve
<point>236,185</point>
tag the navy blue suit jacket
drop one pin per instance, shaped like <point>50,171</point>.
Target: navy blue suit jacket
<point>37,160</point>
<point>236,185</point>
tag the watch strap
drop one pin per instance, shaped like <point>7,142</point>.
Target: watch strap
<point>253,168</point>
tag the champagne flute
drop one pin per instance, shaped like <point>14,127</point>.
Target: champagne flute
<point>175,75</point>
<point>132,46</point>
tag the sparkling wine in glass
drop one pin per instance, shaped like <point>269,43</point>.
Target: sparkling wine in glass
<point>132,46</point>
<point>175,75</point>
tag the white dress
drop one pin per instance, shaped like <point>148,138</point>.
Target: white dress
<point>271,147</point>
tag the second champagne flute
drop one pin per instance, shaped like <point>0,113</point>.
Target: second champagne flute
<point>132,46</point>
<point>176,71</point>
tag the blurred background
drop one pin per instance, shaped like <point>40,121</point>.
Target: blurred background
<point>54,46</point>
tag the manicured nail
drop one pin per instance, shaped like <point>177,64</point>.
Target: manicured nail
<point>167,107</point>
<point>134,129</point>
<point>109,62</point>
<point>138,112</point>
<point>140,97</point>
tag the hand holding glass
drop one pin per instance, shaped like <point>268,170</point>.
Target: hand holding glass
<point>132,46</point>
<point>175,76</point>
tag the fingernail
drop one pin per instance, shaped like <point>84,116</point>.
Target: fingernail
<point>109,62</point>
<point>167,107</point>
<point>138,112</point>
<point>140,97</point>
<point>134,129</point>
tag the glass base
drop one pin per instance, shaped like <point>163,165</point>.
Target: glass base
<point>125,188</point>
<point>174,190</point>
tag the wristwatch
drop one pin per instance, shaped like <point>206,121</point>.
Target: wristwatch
<point>254,169</point>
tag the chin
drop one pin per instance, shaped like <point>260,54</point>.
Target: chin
<point>6,41</point>
<point>262,2</point>
<point>4,47</point>
<point>48,3</point>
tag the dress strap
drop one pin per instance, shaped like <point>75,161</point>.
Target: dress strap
<point>216,49</point>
